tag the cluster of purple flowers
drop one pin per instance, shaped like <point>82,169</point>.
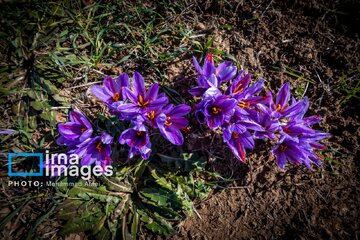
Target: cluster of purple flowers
<point>238,111</point>
<point>143,108</point>
<point>77,135</point>
<point>242,115</point>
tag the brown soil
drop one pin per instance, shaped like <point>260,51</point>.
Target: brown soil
<point>265,202</point>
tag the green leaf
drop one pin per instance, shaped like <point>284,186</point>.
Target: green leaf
<point>103,234</point>
<point>40,105</point>
<point>114,184</point>
<point>82,218</point>
<point>161,180</point>
<point>134,225</point>
<point>157,224</point>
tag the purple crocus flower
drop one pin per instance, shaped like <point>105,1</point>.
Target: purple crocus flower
<point>270,125</point>
<point>238,138</point>
<point>171,120</point>
<point>77,130</point>
<point>224,72</point>
<point>218,110</point>
<point>96,150</point>
<point>239,85</point>
<point>293,129</point>
<point>211,76</point>
<point>310,145</point>
<point>288,150</point>
<point>112,90</point>
<point>237,135</point>
<point>137,138</point>
<point>245,94</point>
<point>141,100</point>
<point>301,151</point>
<point>204,84</point>
<point>281,106</point>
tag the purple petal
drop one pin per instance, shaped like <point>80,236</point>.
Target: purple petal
<point>295,109</point>
<point>312,120</point>
<point>130,95</point>
<point>211,93</point>
<point>172,134</point>
<point>87,160</point>
<point>145,151</point>
<point>208,69</point>
<point>255,88</point>
<point>152,93</point>
<point>86,134</point>
<point>197,66</point>
<point>197,91</point>
<point>7,131</point>
<point>106,138</point>
<point>203,82</point>
<point>179,122</point>
<point>226,72</point>
<point>139,84</point>
<point>213,81</point>
<point>283,95</point>
<point>98,91</point>
<point>123,80</point>
<point>110,85</point>
<point>70,130</point>
<point>225,103</point>
<point>247,140</point>
<point>179,110</point>
<point>158,103</point>
<point>281,160</point>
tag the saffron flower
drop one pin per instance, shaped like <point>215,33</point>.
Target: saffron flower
<point>96,150</point>
<point>112,91</point>
<point>243,115</point>
<point>211,76</point>
<point>301,151</point>
<point>296,140</point>
<point>288,150</point>
<point>270,125</point>
<point>218,110</point>
<point>224,72</point>
<point>237,139</point>
<point>281,107</point>
<point>137,138</point>
<point>77,130</point>
<point>171,120</point>
<point>142,100</point>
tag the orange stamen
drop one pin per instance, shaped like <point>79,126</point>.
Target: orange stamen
<point>235,135</point>
<point>215,110</point>
<point>99,146</point>
<point>238,89</point>
<point>167,122</point>
<point>116,97</point>
<point>151,115</point>
<point>278,108</point>
<point>141,102</point>
<point>243,104</point>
